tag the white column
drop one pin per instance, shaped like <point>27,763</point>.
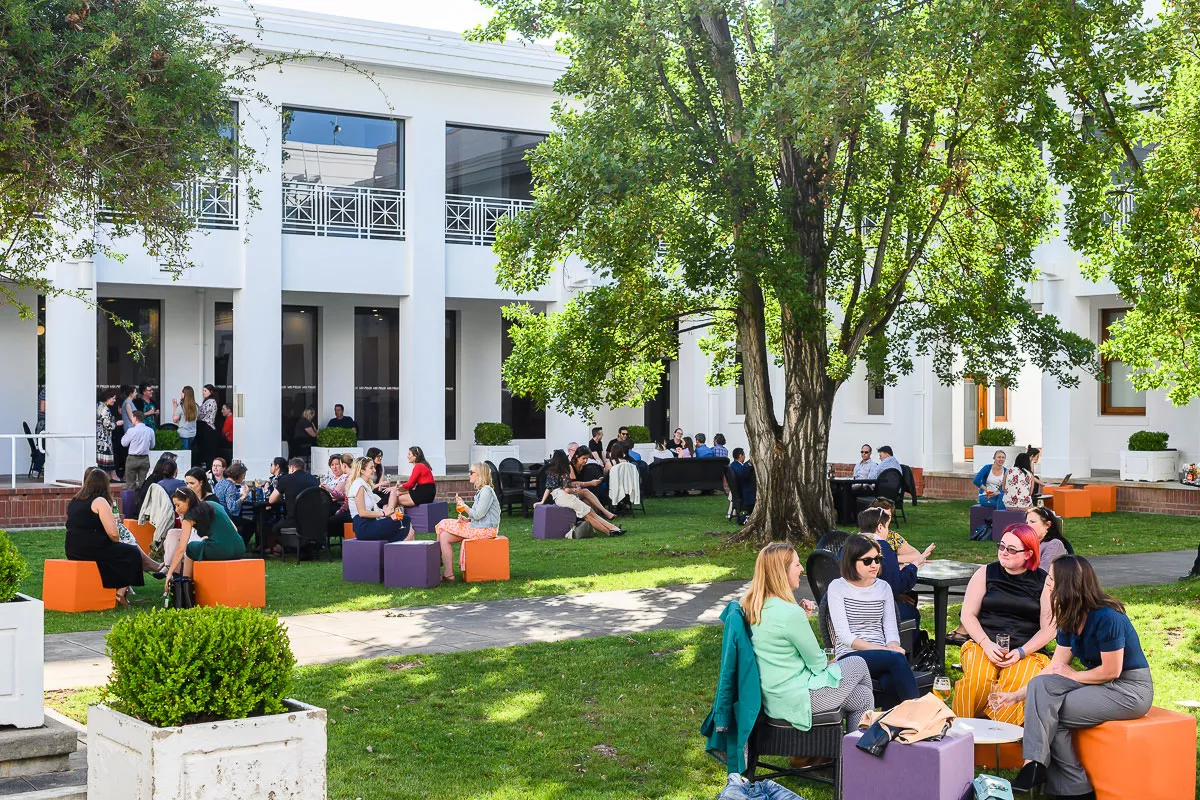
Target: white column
<point>939,422</point>
<point>71,371</point>
<point>336,372</point>
<point>257,315</point>
<point>423,310</point>
<point>1066,412</point>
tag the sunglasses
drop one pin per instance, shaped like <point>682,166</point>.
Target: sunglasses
<point>866,452</point>
<point>866,562</point>
<point>1003,548</point>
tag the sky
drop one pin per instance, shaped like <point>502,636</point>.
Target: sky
<point>445,15</point>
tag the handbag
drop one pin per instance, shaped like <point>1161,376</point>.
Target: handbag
<point>983,533</point>
<point>182,593</point>
<point>989,787</point>
<point>876,738</point>
<point>582,530</point>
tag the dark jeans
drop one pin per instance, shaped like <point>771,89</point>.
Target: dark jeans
<point>1196,563</point>
<point>896,680</point>
<point>385,528</point>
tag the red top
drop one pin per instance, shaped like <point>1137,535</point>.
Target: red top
<point>227,429</point>
<point>421,473</point>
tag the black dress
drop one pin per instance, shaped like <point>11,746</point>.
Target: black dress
<point>120,564</point>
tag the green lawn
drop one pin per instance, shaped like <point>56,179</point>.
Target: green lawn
<point>679,541</point>
<point>609,718</point>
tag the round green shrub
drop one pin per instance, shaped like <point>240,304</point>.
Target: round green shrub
<point>639,434</point>
<point>493,434</point>
<point>172,667</point>
<point>12,568</point>
<point>997,437</point>
<point>167,440</point>
<point>337,437</point>
<point>1148,440</point>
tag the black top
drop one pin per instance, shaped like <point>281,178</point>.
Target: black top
<point>1012,604</point>
<point>84,529</point>
<point>344,422</point>
<point>597,448</point>
<point>300,434</point>
<point>292,484</point>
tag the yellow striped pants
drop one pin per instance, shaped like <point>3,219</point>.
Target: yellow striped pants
<point>979,675</point>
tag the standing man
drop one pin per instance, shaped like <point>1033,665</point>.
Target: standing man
<point>340,420</point>
<point>138,440</point>
<point>144,402</point>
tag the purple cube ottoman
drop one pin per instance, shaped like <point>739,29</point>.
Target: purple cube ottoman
<point>424,518</point>
<point>1002,519</point>
<point>552,522</point>
<point>941,770</point>
<point>979,515</point>
<point>411,565</point>
<point>362,561</point>
<point>129,506</point>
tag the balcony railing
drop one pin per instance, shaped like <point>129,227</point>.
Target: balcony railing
<point>1122,203</point>
<point>356,212</point>
<point>472,220</point>
<point>212,202</point>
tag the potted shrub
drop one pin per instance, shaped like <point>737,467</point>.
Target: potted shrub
<point>640,436</point>
<point>169,441</point>
<point>21,631</point>
<point>492,443</point>
<point>330,441</point>
<point>992,439</point>
<point>196,706</point>
<point>1148,458</point>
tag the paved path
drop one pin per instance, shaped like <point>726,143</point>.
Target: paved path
<point>77,659</point>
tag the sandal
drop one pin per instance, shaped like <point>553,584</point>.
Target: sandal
<point>447,579</point>
<point>957,637</point>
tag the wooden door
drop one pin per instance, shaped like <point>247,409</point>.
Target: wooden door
<point>975,410</point>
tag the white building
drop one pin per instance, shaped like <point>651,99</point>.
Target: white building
<point>366,278</point>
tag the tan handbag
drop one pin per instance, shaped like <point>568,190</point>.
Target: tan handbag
<point>913,720</point>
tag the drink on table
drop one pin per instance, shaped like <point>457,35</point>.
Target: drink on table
<point>941,688</point>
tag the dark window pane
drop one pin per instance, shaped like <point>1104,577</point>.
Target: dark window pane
<point>342,149</point>
<point>298,365</point>
<point>451,374</point>
<point>875,401</point>
<point>377,372</point>
<point>116,364</point>
<point>489,163</point>
<point>223,348</point>
<point>526,419</point>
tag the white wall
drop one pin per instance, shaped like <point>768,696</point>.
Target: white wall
<point>18,394</point>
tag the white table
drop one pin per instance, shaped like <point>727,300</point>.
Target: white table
<point>987,731</point>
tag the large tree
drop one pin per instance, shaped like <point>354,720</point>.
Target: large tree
<point>820,182</point>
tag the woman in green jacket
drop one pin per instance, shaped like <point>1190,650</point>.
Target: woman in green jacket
<point>797,680</point>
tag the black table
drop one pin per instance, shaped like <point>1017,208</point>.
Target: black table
<point>844,498</point>
<point>941,575</point>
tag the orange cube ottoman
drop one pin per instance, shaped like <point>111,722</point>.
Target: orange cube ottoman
<point>348,530</point>
<point>144,533</point>
<point>241,583</point>
<point>75,586</point>
<point>486,559</point>
<point>1103,497</point>
<point>1152,758</point>
<point>1072,503</point>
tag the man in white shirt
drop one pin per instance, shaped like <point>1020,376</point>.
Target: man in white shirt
<point>886,461</point>
<point>862,470</point>
<point>139,441</point>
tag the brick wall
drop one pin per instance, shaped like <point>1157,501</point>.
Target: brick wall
<point>38,507</point>
<point>1159,499</point>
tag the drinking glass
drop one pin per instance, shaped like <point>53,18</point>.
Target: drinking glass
<point>941,688</point>
<point>1002,641</point>
<point>829,655</point>
<point>994,704</point>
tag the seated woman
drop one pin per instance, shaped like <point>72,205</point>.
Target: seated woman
<point>584,488</point>
<point>1007,597</point>
<point>559,488</point>
<point>1048,528</point>
<point>1114,684</point>
<point>874,522</point>
<point>233,494</point>
<point>335,484</point>
<point>217,470</point>
<point>990,479</point>
<point>420,487</point>
<point>481,520</point>
<point>92,535</point>
<point>372,523</point>
<point>1017,486</point>
<point>797,680</point>
<point>196,479</point>
<point>218,538</point>
<point>688,450</point>
<point>661,453</point>
<point>862,614</point>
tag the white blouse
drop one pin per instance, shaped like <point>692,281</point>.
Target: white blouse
<point>372,502</point>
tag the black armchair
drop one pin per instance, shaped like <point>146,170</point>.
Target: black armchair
<point>890,486</point>
<point>907,629</point>
<point>510,483</point>
<point>823,568</point>
<point>313,507</point>
<point>529,497</point>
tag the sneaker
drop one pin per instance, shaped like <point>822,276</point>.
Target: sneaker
<point>1191,576</point>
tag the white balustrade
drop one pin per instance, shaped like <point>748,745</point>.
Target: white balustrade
<point>212,202</point>
<point>472,220</point>
<point>356,212</point>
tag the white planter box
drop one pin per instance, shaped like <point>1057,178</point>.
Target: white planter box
<point>280,757</point>
<point>183,460</point>
<point>983,455</point>
<point>646,451</point>
<point>320,458</point>
<point>495,454</point>
<point>1149,465</point>
<point>21,662</point>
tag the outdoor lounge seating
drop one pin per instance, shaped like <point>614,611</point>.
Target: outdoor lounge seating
<point>688,474</point>
<point>1070,503</point>
<point>486,559</point>
<point>240,583</point>
<point>313,507</point>
<point>75,586</point>
<point>143,532</point>
<point>508,481</point>
<point>411,565</point>
<point>552,522</point>
<point>1152,758</point>
<point>930,770</point>
<point>362,560</point>
<point>1102,497</point>
<point>425,517</point>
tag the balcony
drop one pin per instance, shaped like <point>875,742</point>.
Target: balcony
<point>1122,203</point>
<point>472,220</point>
<point>355,212</point>
<point>212,202</point>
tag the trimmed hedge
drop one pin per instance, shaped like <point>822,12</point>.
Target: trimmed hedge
<point>639,434</point>
<point>337,437</point>
<point>167,440</point>
<point>997,437</point>
<point>493,434</point>
<point>12,568</point>
<point>1149,440</point>
<point>172,667</point>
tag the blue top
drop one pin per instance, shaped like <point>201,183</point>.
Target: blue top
<point>981,476</point>
<point>901,579</point>
<point>230,495</point>
<point>703,451</point>
<point>891,462</point>
<point>1105,631</point>
<point>745,474</point>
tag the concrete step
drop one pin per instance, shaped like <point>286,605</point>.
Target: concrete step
<point>33,751</point>
<point>61,793</point>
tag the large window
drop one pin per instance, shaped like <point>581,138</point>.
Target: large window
<point>298,364</point>
<point>489,163</point>
<point>875,400</point>
<point>223,349</point>
<point>1117,395</point>
<point>342,149</point>
<point>377,372</point>
<point>118,361</point>
<point>451,375</point>
<point>1000,409</point>
<point>526,419</point>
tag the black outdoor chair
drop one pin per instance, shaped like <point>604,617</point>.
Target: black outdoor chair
<point>739,507</point>
<point>910,483</point>
<point>37,454</point>
<point>593,472</point>
<point>313,507</point>
<point>823,568</point>
<point>511,486</point>
<point>530,497</point>
<point>833,542</point>
<point>908,631</point>
<point>890,486</point>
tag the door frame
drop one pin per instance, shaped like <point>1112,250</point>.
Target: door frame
<point>981,413</point>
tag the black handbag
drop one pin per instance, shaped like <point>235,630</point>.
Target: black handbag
<point>182,593</point>
<point>876,738</point>
<point>983,533</point>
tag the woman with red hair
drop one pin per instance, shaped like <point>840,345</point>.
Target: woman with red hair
<point>1007,598</point>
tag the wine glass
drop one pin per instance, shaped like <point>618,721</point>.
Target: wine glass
<point>994,705</point>
<point>830,655</point>
<point>941,688</point>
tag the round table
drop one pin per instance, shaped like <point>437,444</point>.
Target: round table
<point>987,731</point>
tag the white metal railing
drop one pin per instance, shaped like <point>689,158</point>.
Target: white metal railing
<point>211,201</point>
<point>39,440</point>
<point>357,212</point>
<point>1122,209</point>
<point>472,220</point>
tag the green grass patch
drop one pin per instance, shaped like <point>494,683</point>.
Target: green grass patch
<point>679,541</point>
<point>612,718</point>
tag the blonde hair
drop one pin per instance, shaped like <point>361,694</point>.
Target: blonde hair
<point>310,414</point>
<point>189,404</point>
<point>356,470</point>
<point>482,474</point>
<point>770,580</point>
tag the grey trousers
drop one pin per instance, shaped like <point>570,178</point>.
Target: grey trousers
<point>852,694</point>
<point>1054,705</point>
<point>136,469</point>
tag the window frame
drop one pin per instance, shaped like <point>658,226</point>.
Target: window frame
<point>1001,392</point>
<point>1107,409</point>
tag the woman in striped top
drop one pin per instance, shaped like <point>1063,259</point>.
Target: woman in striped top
<point>862,613</point>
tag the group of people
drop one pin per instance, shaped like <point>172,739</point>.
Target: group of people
<point>1016,487</point>
<point>680,446</point>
